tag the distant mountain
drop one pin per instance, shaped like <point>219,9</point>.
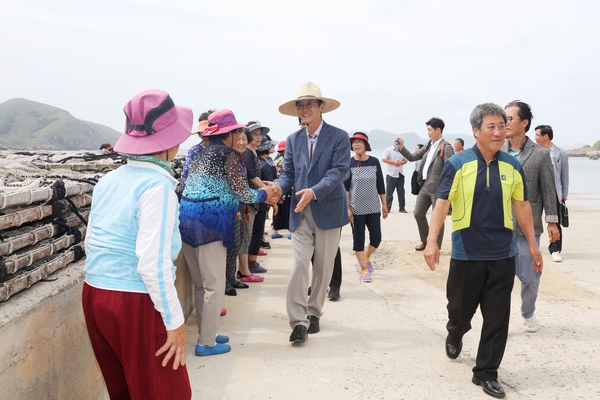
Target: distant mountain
<point>585,151</point>
<point>29,125</point>
<point>380,139</point>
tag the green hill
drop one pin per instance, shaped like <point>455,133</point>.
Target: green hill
<point>29,125</point>
<point>380,139</point>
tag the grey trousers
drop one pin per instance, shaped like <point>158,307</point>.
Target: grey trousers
<point>422,204</point>
<point>530,279</point>
<point>209,286</point>
<point>306,240</point>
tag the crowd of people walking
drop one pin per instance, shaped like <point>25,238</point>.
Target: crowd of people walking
<point>231,183</point>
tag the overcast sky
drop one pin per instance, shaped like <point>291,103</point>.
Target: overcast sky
<point>392,64</point>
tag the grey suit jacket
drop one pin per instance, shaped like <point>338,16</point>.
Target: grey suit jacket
<point>561,172</point>
<point>437,164</point>
<point>539,178</point>
<point>324,175</point>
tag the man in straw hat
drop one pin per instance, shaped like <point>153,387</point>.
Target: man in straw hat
<point>315,164</point>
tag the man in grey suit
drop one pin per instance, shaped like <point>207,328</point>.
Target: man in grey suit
<point>560,162</point>
<point>434,155</point>
<point>316,161</point>
<point>539,176</point>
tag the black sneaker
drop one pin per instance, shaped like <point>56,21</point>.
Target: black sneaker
<point>334,293</point>
<point>314,324</point>
<point>265,245</point>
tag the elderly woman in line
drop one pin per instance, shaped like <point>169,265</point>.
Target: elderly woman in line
<point>242,224</point>
<point>132,312</point>
<point>195,149</point>
<point>215,186</point>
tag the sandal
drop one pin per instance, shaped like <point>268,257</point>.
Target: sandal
<point>258,269</point>
<point>240,285</point>
<point>230,291</point>
<point>250,279</point>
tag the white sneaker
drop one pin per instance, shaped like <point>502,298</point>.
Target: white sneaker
<point>556,257</point>
<point>531,325</point>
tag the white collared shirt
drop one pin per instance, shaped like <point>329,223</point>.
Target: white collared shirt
<point>430,155</point>
<point>314,139</point>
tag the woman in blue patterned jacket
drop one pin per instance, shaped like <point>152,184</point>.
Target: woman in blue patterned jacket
<point>215,186</point>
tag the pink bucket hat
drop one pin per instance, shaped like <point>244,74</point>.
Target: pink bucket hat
<point>281,146</point>
<point>153,124</point>
<point>221,121</point>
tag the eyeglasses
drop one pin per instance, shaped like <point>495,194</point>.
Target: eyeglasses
<point>510,119</point>
<point>306,104</point>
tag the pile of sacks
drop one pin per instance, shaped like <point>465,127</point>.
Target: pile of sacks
<point>45,200</point>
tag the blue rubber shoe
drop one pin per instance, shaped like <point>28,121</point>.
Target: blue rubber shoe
<point>222,339</point>
<point>289,235</point>
<point>257,269</point>
<point>276,236</point>
<point>218,348</point>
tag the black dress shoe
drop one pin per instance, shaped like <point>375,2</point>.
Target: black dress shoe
<point>453,350</point>
<point>493,388</point>
<point>265,245</point>
<point>299,334</point>
<point>314,324</point>
<point>309,290</point>
<point>334,293</point>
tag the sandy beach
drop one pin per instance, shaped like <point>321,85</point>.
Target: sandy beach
<point>385,339</point>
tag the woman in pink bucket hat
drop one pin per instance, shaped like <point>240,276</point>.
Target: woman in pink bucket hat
<point>132,312</point>
<point>215,186</point>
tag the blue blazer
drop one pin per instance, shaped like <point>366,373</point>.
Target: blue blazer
<point>324,175</point>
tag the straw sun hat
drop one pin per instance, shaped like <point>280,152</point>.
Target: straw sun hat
<point>308,91</point>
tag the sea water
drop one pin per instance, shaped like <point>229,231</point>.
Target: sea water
<point>584,180</point>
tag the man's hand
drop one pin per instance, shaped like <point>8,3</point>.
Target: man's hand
<point>307,196</point>
<point>432,254</point>
<point>273,193</point>
<point>384,212</point>
<point>174,346</point>
<point>538,261</point>
<point>553,233</point>
<point>400,144</point>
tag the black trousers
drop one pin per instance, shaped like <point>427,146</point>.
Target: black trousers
<point>336,277</point>
<point>487,284</point>
<point>557,246</point>
<point>258,231</point>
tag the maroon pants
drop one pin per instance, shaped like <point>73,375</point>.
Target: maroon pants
<point>126,331</point>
